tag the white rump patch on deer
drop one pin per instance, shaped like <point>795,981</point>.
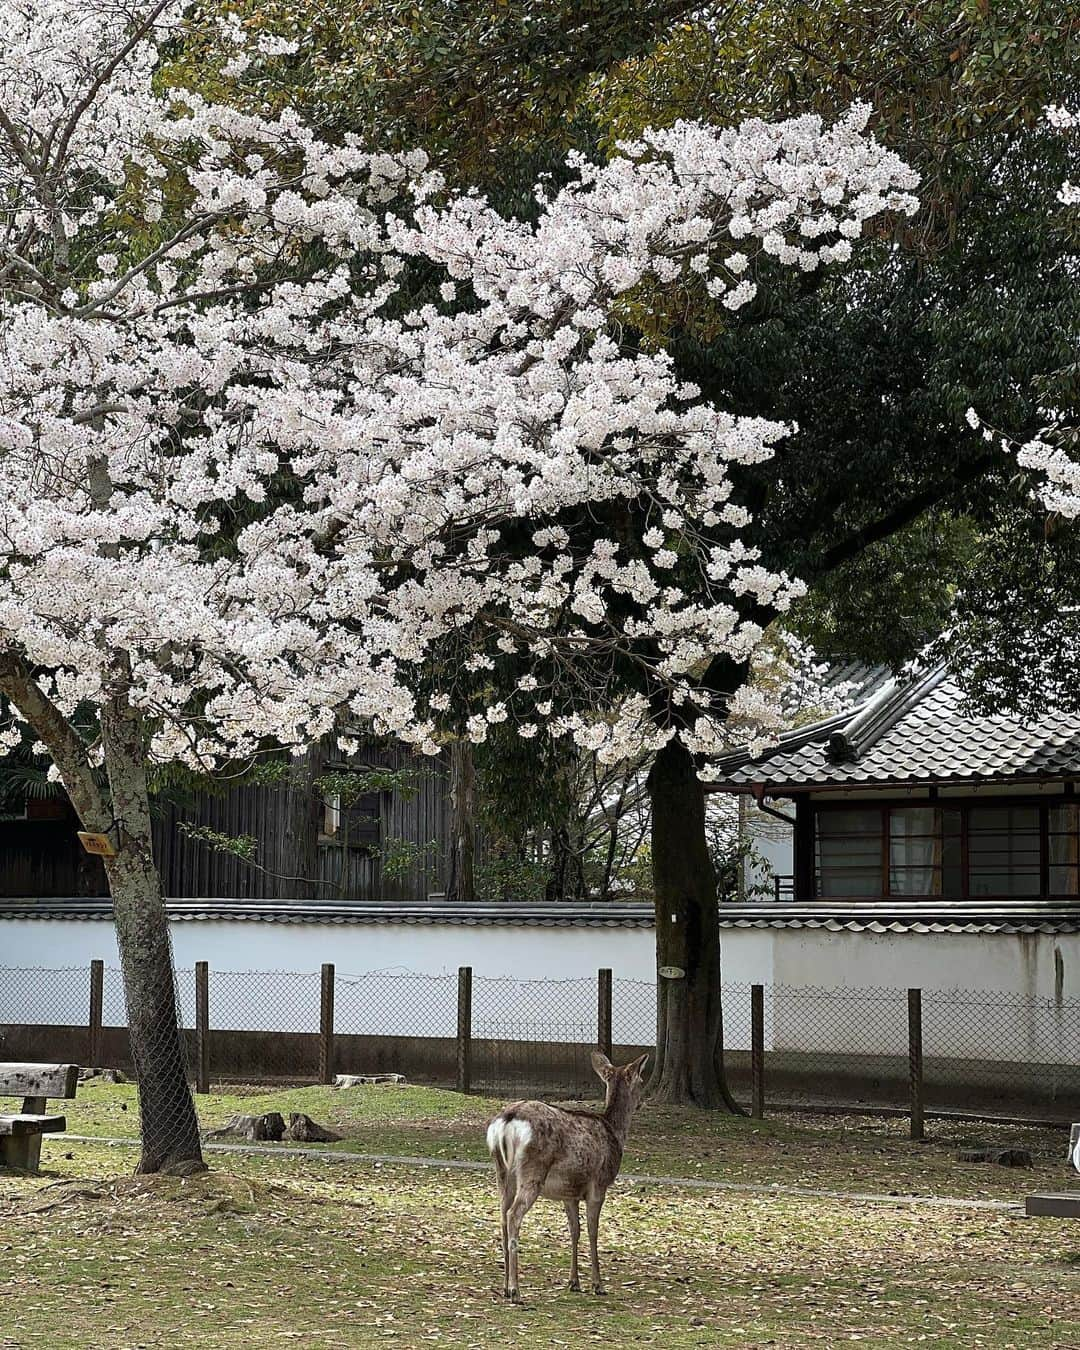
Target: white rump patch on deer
<point>507,1138</point>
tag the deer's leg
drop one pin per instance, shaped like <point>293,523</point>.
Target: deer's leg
<point>523,1201</point>
<point>592,1218</point>
<point>506,1199</point>
<point>573,1217</point>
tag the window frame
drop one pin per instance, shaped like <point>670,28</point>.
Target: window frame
<point>1044,804</point>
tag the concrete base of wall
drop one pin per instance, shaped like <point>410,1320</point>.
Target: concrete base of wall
<point>504,1068</point>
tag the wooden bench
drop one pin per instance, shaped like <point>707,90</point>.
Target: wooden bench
<point>1059,1204</point>
<point>20,1135</point>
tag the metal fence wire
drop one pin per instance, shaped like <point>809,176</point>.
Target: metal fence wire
<point>847,1047</point>
<point>982,1053</point>
<point>534,1035</point>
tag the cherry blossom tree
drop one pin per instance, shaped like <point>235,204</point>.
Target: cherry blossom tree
<point>175,280</point>
<point>249,489</point>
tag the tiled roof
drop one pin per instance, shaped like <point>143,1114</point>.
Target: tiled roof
<point>919,916</point>
<point>892,916</point>
<point>912,731</point>
<point>862,681</point>
<point>560,915</point>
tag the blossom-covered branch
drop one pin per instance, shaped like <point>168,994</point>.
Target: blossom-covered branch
<point>248,486</point>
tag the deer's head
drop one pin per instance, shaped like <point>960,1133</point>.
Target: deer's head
<point>625,1081</point>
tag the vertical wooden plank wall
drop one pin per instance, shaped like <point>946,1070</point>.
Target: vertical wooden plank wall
<point>192,869</point>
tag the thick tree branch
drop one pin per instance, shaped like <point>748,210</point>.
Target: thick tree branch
<point>66,747</point>
<point>901,515</point>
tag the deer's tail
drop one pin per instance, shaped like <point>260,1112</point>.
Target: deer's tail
<point>507,1137</point>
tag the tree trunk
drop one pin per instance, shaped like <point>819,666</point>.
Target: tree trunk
<point>460,879</point>
<point>689,1067</point>
<point>297,854</point>
<point>567,880</point>
<point>170,1129</point>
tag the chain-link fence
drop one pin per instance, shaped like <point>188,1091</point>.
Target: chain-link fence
<point>976,1052</point>
<point>533,1035</point>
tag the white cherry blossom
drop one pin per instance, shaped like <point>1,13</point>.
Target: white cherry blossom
<point>245,484</point>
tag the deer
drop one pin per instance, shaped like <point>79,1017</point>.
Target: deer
<point>563,1153</point>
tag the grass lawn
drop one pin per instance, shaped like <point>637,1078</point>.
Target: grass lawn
<point>267,1250</point>
<point>846,1153</point>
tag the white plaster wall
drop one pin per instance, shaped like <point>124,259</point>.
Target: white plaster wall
<point>430,949</point>
<point>985,995</point>
<point>392,979</point>
<point>401,979</point>
<point>940,961</point>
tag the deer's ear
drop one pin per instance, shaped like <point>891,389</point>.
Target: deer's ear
<point>602,1065</point>
<point>638,1065</point>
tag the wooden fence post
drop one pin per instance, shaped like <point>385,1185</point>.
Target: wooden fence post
<point>97,1006</point>
<point>202,1026</point>
<point>915,1060</point>
<point>326,1025</point>
<point>603,1011</point>
<point>464,1029</point>
<point>757,1051</point>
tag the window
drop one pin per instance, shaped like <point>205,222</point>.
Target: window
<point>924,850</point>
<point>919,846</point>
<point>357,825</point>
<point>849,852</point>
<point>979,850</point>
<point>1004,854</point>
<point>1063,828</point>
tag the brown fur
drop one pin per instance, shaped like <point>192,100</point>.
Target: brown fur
<point>571,1155</point>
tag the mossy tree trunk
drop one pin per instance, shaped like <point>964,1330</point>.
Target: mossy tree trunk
<point>689,1066</point>
<point>170,1130</point>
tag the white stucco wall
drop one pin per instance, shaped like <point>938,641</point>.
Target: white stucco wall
<point>408,984</point>
<point>531,982</point>
<point>430,949</point>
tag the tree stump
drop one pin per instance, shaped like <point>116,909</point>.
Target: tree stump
<point>103,1076</point>
<point>1003,1157</point>
<point>256,1129</point>
<point>303,1130</point>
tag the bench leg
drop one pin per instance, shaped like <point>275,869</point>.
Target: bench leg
<point>21,1151</point>
<point>33,1153</point>
<point>33,1106</point>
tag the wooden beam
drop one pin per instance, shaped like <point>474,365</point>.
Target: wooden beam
<point>1062,1205</point>
<point>804,848</point>
<point>38,1080</point>
<point>12,1126</point>
<point>603,1011</point>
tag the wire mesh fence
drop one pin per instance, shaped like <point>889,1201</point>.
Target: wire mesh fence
<point>979,1052</point>
<point>534,1035</point>
<point>834,1046</point>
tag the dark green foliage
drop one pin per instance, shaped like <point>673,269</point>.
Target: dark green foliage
<point>1015,635</point>
<point>348,785</point>
<point>24,777</point>
<point>911,577</point>
<point>879,497</point>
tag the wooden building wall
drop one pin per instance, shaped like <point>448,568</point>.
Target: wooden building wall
<point>44,858</point>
